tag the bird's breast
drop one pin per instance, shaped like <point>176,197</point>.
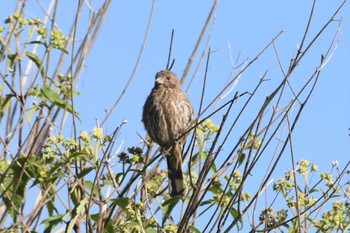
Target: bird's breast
<point>170,114</point>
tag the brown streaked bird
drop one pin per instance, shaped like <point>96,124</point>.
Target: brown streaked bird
<point>167,114</point>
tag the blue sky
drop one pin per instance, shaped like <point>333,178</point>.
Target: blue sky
<point>322,134</point>
<point>248,26</point>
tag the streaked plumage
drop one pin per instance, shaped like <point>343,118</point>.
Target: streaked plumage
<point>167,114</point>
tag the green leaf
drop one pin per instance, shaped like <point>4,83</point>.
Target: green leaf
<point>215,189</point>
<point>195,158</point>
<point>109,228</point>
<point>51,222</point>
<point>14,186</point>
<point>63,50</point>
<point>35,92</point>
<point>207,202</point>
<point>169,204</point>
<point>84,172</point>
<point>11,60</point>
<point>213,167</point>
<point>32,110</point>
<point>241,159</point>
<point>194,229</point>
<point>170,201</point>
<point>76,213</point>
<point>95,217</point>
<point>235,215</point>
<point>36,60</point>
<point>204,155</point>
<point>89,185</point>
<point>34,166</point>
<point>150,230</point>
<point>50,207</point>
<point>52,96</point>
<point>4,164</point>
<point>122,202</point>
<point>313,190</point>
<point>5,102</point>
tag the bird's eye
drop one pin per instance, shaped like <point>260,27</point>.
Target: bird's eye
<point>167,77</point>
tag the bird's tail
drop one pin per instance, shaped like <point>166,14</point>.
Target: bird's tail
<point>174,161</point>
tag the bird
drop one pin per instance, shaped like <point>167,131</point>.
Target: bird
<point>167,116</point>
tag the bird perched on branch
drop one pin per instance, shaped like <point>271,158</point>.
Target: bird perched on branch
<point>167,115</point>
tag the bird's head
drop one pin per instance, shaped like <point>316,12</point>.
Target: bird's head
<point>168,79</point>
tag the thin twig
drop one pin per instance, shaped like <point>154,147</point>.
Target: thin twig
<point>135,67</point>
<point>194,52</point>
<point>170,49</point>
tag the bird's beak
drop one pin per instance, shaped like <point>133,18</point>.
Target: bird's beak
<point>159,81</point>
